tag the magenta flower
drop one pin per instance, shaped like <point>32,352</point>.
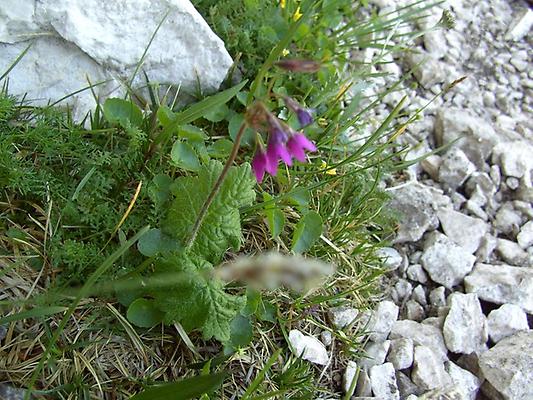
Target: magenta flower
<point>276,150</point>
<point>296,145</point>
<point>260,164</point>
<point>283,144</point>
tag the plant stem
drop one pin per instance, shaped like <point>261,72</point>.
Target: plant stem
<point>216,187</point>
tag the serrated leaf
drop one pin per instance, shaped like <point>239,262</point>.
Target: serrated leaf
<point>199,300</point>
<point>144,313</point>
<point>185,389</point>
<point>184,156</point>
<point>307,231</point>
<point>221,228</point>
<point>122,112</point>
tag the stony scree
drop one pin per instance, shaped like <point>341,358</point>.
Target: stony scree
<point>383,381</point>
<point>465,326</point>
<point>463,230</point>
<point>464,285</point>
<point>417,203</point>
<point>465,382</point>
<point>401,353</point>
<point>506,321</point>
<point>508,365</point>
<point>444,261</point>
<point>501,284</point>
<point>421,334</point>
<point>428,370</point>
<point>381,321</point>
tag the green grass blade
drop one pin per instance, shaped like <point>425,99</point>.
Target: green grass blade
<point>260,376</point>
<point>182,390</point>
<point>199,109</point>
<point>14,63</point>
<point>34,313</point>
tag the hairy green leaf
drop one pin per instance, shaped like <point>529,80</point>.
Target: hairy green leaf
<point>199,301</point>
<point>221,228</point>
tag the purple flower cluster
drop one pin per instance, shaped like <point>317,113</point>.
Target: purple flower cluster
<point>284,143</point>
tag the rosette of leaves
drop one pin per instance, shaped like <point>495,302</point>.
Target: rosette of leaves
<point>185,289</point>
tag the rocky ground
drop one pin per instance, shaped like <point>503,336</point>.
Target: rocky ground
<point>456,322</point>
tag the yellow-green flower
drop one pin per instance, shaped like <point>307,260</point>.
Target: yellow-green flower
<point>297,14</point>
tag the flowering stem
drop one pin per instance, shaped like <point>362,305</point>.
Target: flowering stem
<point>216,187</point>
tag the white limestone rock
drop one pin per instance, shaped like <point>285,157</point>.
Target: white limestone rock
<point>17,20</point>
<point>514,158</point>
<point>44,77</point>
<point>383,380</point>
<point>348,384</point>
<point>520,26</point>
<point>525,237</point>
<point>428,370</point>
<point>308,347</point>
<point>406,386</point>
<point>416,273</point>
<point>437,297</point>
<point>446,262</point>
<point>508,365</point>
<point>342,316</point>
<point>511,252</point>
<point>383,318</point>
<point>464,381</point>
<point>455,168</point>
<point>103,41</point>
<point>419,295</point>
<point>506,321</point>
<point>375,354</point>
<point>417,204</point>
<point>462,229</point>
<point>421,334</point>
<point>501,284</point>
<point>465,326</point>
<point>401,353</point>
<point>508,220</point>
<point>414,311</point>
<point>390,257</point>
<point>476,136</point>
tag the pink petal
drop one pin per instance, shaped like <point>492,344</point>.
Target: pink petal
<point>259,165</point>
<point>296,150</point>
<point>304,142</point>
